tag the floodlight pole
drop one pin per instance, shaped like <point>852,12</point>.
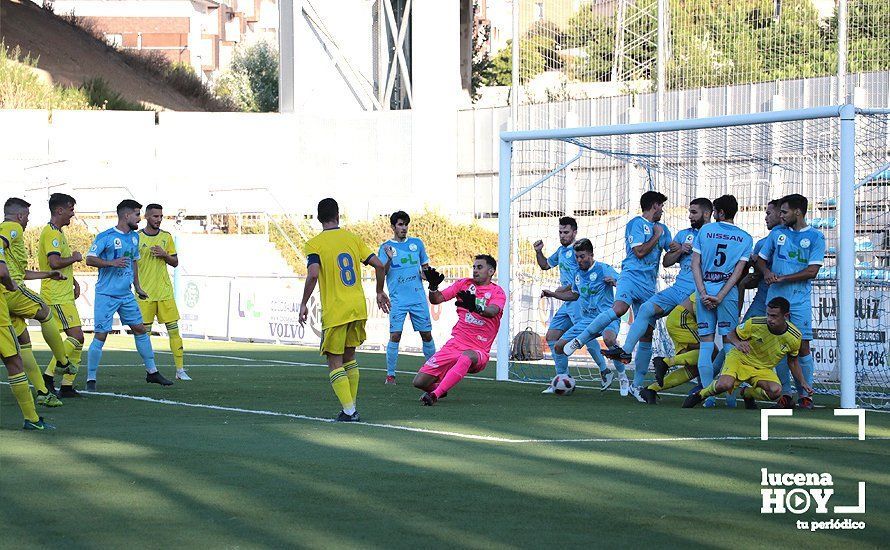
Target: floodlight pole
<point>846,265</point>
<point>504,241</point>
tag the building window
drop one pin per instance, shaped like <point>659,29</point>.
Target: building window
<point>539,11</point>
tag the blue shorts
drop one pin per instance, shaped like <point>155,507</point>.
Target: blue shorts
<point>106,306</point>
<point>757,307</point>
<point>634,291</point>
<point>564,318</point>
<point>582,325</point>
<point>420,317</point>
<point>672,296</point>
<point>802,318</point>
<point>723,319</point>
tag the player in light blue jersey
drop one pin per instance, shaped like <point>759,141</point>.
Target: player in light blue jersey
<point>403,259</point>
<point>679,251</point>
<point>796,251</point>
<point>755,279</point>
<point>592,292</point>
<point>116,253</point>
<point>566,315</point>
<point>719,258</point>
<point>645,238</point>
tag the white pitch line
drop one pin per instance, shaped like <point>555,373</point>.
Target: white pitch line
<point>472,437</point>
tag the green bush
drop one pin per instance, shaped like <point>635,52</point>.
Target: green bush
<point>251,83</point>
<point>79,239</point>
<point>100,95</point>
<point>21,88</point>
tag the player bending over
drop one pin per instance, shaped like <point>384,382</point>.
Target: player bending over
<point>333,258</point>
<point>480,305</point>
<point>592,289</point>
<point>758,345</point>
<point>115,252</point>
<point>682,329</point>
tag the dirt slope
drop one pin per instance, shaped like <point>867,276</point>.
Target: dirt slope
<point>70,56</point>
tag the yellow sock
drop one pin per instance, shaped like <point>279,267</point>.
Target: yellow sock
<point>18,383</point>
<point>32,369</point>
<point>352,373</point>
<point>50,331</point>
<point>677,378</point>
<point>756,393</point>
<point>73,349</point>
<point>175,343</point>
<point>710,390</point>
<point>340,384</point>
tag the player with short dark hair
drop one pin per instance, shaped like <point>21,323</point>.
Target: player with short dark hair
<point>772,218</point>
<point>480,305</point>
<point>567,315</point>
<point>157,250</point>
<point>758,345</point>
<point>719,257</point>
<point>797,252</point>
<point>405,261</point>
<point>333,258</point>
<point>645,238</point>
<point>115,252</point>
<point>55,254</point>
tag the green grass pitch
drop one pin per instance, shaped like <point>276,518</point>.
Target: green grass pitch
<point>494,465</point>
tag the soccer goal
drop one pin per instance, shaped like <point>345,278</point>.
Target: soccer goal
<point>838,157</point>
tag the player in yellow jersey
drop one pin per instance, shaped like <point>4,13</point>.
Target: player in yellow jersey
<point>9,351</point>
<point>759,344</point>
<point>157,250</point>
<point>24,304</point>
<point>333,258</point>
<point>54,253</point>
<point>683,330</point>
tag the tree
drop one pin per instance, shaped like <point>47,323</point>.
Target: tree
<point>251,83</point>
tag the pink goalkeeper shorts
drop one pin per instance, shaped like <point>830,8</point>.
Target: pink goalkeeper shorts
<point>447,356</point>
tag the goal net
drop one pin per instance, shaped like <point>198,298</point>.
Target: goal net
<point>597,175</point>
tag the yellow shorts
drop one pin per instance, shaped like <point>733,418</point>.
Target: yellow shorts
<point>746,373</point>
<point>9,344</point>
<point>66,314</point>
<point>335,340</point>
<point>23,303</point>
<point>165,310</point>
<point>682,328</point>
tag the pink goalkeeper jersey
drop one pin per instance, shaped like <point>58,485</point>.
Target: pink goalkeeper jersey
<point>472,328</point>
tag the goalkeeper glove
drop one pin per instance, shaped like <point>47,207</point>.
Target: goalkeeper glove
<point>434,278</point>
<point>467,300</point>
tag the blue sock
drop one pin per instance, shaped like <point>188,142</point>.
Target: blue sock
<point>429,349</point>
<point>392,357</point>
<point>94,355</point>
<point>706,364</point>
<point>561,360</point>
<point>596,353</point>
<point>619,366</point>
<point>641,362</point>
<point>645,316</point>
<point>721,357</point>
<point>143,346</point>
<point>784,374</point>
<point>807,366</point>
<point>597,326</point>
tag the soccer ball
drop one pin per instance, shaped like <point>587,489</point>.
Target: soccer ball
<point>563,384</point>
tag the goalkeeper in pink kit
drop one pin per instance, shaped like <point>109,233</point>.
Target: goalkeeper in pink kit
<point>480,304</point>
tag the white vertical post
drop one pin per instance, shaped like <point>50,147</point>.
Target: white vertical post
<point>846,265</point>
<point>661,59</point>
<point>571,187</point>
<point>504,240</point>
<point>514,71</point>
<point>286,63</point>
<point>842,51</point>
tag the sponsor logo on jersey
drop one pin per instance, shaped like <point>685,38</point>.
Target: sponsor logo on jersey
<point>781,240</point>
<point>118,243</point>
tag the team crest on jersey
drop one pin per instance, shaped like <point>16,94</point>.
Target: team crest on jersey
<point>412,247</point>
<point>487,295</point>
<point>134,240</point>
<point>13,233</point>
<point>805,243</point>
<point>593,277</point>
<point>55,242</point>
<point>781,240</point>
<point>118,243</point>
<point>569,253</point>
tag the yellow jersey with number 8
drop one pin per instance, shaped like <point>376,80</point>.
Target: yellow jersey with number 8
<point>339,254</point>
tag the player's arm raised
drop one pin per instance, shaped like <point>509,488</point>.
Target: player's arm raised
<point>539,255</point>
<point>674,253</point>
<point>56,261</point>
<point>467,300</point>
<point>382,299</point>
<point>641,250</point>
